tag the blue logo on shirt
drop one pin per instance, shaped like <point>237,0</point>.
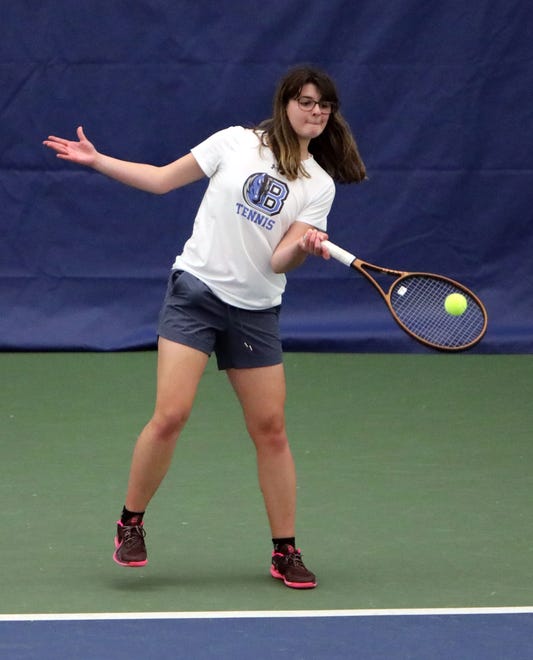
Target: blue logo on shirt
<point>265,193</point>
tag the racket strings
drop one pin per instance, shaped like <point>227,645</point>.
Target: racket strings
<point>418,302</point>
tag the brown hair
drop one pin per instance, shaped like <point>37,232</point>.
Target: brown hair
<point>335,150</point>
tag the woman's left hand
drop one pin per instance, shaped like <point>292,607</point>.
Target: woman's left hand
<point>311,242</point>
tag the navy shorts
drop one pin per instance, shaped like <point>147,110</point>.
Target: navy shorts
<point>241,338</point>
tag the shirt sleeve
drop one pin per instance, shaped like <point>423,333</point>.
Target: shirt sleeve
<point>209,153</point>
<point>317,211</point>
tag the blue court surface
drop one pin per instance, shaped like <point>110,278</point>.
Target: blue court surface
<point>484,634</point>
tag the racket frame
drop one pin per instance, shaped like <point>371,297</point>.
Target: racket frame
<point>363,267</point>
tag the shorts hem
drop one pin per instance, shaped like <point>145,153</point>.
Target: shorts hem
<point>263,363</point>
<point>184,341</point>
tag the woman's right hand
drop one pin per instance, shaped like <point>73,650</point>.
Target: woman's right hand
<point>81,152</point>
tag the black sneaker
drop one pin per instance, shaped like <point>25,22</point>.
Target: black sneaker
<point>287,565</point>
<point>129,543</point>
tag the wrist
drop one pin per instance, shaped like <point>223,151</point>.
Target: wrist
<point>97,162</point>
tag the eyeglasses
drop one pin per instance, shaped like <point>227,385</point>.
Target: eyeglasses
<point>307,104</point>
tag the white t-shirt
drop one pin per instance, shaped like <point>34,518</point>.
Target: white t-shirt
<point>245,212</point>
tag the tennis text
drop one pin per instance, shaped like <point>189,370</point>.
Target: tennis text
<point>254,216</point>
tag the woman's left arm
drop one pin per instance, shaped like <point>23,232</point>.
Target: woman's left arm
<point>300,240</point>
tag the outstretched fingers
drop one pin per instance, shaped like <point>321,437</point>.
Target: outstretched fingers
<point>57,144</point>
<point>54,141</point>
<point>78,151</point>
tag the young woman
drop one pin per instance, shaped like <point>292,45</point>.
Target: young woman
<point>264,210</point>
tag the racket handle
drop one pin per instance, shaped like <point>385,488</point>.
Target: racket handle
<point>339,254</point>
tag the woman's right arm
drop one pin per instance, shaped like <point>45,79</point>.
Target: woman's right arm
<point>158,180</point>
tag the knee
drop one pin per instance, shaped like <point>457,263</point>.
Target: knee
<point>270,435</point>
<point>167,425</point>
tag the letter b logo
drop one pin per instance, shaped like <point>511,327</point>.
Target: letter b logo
<point>265,193</point>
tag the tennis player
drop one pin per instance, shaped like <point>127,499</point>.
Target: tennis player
<point>264,211</point>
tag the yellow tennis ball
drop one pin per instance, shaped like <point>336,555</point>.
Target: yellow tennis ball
<point>455,304</point>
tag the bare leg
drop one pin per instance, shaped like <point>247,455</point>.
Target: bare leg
<point>261,393</point>
<point>179,369</point>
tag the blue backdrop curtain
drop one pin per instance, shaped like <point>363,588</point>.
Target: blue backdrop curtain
<point>439,96</point>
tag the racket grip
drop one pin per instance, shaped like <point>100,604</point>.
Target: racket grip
<point>339,254</point>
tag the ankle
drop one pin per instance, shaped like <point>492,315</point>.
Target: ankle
<point>283,541</point>
<point>130,518</point>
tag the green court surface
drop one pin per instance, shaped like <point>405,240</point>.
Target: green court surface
<point>415,486</point>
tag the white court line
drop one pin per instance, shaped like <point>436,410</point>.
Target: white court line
<point>261,614</point>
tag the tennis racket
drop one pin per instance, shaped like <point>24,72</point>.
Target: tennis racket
<point>416,301</point>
